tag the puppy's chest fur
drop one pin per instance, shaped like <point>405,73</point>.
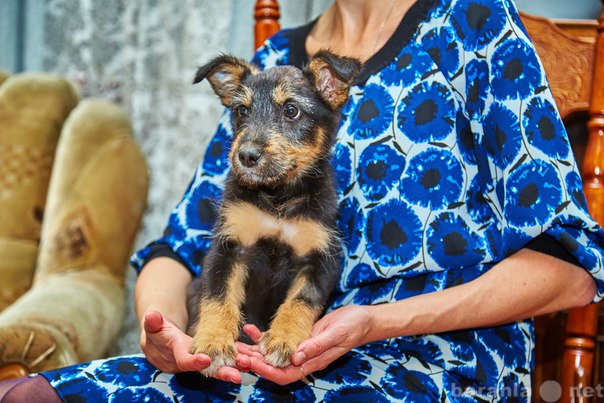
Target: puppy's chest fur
<point>275,238</point>
<point>274,258</point>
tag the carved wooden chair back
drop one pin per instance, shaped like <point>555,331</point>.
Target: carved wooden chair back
<point>573,56</point>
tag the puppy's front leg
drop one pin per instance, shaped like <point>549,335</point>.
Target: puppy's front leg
<point>220,314</point>
<point>294,319</point>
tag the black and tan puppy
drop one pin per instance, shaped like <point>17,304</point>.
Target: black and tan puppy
<point>275,252</point>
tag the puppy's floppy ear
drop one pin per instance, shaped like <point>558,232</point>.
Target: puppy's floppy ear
<point>225,73</point>
<point>332,76</point>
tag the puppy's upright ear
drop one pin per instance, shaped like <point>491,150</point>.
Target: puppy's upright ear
<point>332,76</point>
<point>225,73</point>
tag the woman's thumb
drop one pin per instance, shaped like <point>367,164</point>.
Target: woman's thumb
<point>154,321</point>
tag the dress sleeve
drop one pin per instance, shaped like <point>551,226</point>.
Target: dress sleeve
<point>529,175</point>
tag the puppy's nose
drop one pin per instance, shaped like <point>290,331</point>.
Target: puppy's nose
<point>249,156</point>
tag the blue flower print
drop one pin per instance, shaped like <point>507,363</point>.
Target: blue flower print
<point>192,387</point>
<point>133,371</point>
<point>569,236</point>
<point>478,208</point>
<point>433,179</point>
<point>408,385</point>
<point>82,389</point>
<point>465,138</point>
<point>380,168</point>
<point>451,243</point>
<point>267,391</point>
<point>202,211</point>
<point>393,233</point>
<point>273,47</point>
<point>349,368</point>
<point>477,84</point>
<point>427,113</point>
<point>512,389</point>
<point>462,343</point>
<point>512,240</point>
<point>494,240</point>
<point>506,342</point>
<point>375,292</point>
<point>502,135</point>
<point>533,192</point>
<point>516,72</point>
<point>342,164</point>
<point>442,46</point>
<point>510,5</point>
<point>478,22</point>
<point>139,395</point>
<point>418,284</point>
<point>57,376</point>
<point>544,128</point>
<point>458,389</point>
<point>360,275</point>
<point>468,348</point>
<point>356,394</point>
<point>350,223</point>
<point>408,67</point>
<point>422,348</point>
<point>575,188</point>
<point>372,114</point>
<point>215,161</point>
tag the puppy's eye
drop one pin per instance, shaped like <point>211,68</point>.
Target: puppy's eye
<point>291,111</point>
<point>242,111</point>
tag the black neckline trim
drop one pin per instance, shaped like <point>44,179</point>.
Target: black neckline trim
<point>400,38</point>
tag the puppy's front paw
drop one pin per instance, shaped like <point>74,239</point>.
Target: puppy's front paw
<point>221,351</point>
<point>278,349</point>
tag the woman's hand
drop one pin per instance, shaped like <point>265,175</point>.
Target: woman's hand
<point>332,336</point>
<point>167,348</point>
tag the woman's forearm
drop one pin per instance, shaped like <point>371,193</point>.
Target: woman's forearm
<point>162,285</point>
<point>523,285</point>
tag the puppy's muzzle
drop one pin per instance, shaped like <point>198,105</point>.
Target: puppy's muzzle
<point>249,155</point>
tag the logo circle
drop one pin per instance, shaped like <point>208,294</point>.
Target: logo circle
<point>550,391</point>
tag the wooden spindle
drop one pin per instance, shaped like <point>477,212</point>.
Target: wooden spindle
<point>582,322</point>
<point>266,14</point>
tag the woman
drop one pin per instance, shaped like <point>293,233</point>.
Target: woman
<point>460,222</point>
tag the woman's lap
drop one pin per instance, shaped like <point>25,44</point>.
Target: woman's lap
<point>370,373</point>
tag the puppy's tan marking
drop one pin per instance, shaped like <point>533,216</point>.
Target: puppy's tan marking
<point>244,96</point>
<point>219,320</point>
<point>247,224</point>
<point>291,325</point>
<point>281,94</point>
<point>306,154</point>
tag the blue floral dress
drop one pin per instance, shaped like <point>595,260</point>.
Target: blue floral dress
<point>450,157</point>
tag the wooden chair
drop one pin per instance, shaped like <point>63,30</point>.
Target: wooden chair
<point>573,56</point>
<point>266,14</point>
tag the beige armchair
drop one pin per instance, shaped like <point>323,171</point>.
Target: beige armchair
<point>73,188</point>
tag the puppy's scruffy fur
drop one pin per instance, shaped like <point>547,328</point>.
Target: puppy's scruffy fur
<point>275,254</point>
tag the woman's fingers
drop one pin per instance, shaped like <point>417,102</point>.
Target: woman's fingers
<point>254,333</point>
<point>289,374</point>
<point>187,361</point>
<point>153,322</point>
<point>315,346</point>
<point>228,374</point>
<point>281,376</point>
